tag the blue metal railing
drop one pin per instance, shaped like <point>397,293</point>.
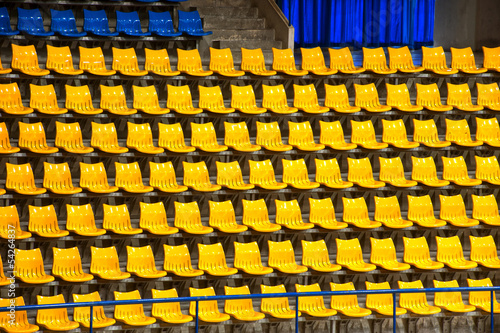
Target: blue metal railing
<point>198,299</point>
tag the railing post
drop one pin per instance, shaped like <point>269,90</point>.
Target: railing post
<point>394,312</point>
<point>296,314</point>
<point>91,319</point>
<point>492,308</point>
<point>196,327</point>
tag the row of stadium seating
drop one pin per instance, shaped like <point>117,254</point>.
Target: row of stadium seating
<point>95,22</point>
<point>243,310</point>
<point>59,59</point>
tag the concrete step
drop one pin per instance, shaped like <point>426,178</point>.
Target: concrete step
<point>219,3</point>
<point>232,12</point>
<point>219,23</point>
<point>248,44</point>
<point>260,34</point>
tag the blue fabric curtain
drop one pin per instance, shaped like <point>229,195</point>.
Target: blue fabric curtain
<point>359,23</point>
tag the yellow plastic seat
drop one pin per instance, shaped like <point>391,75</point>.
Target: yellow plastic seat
<point>301,136</point>
<point>92,61</point>
<point>32,138</point>
<point>356,213</point>
<point>381,303</point>
<point>168,312</point>
<point>69,138</point>
<point>57,179</point>
<point>67,265</point>
<point>491,58</point>
<point>455,171</point>
<point>282,258</point>
<point>394,133</point>
<point>463,60</point>
<point>154,219</point>
<point>125,62</point>
<point>306,99</point>
<point>453,211</point>
<point>277,307</point>
<point>203,137</point>
<point>485,209</point>
<point>256,216</point>
<point>105,264</point>
<point>82,314</point>
<point>178,261</point>
<point>241,309</point>
<point>416,302</point>
<point>421,211</point>
<point>44,100</point>
<point>158,62</point>
<point>140,138</point>
<point>131,314</point>
<point>488,130</point>
<point>252,60</point>
<point>238,138</point>
<point>243,100</point>
<point>284,62</point>
<point>400,59</point>
<point>188,218</point>
<point>392,172</point>
<point>428,97</point>
<point>488,96</point>
<point>189,62</point>
<point>313,305</point>
<point>398,97</point>
<point>79,100</point>
<point>25,60</point>
<point>54,319</point>
<point>4,281</point>
<point>367,98</point>
<point>247,258</point>
<point>450,301</point>
<point>328,174</point>
<point>146,100</point>
<point>459,96</point>
<point>162,177</point>
<point>93,178</point>
<point>288,214</point>
<point>113,100</point>
<point>315,256</point>
<point>360,173</point>
<point>416,253</point>
<point>425,132</point>
<point>5,146</point>
<point>11,101</point>
<point>274,99</point>
<point>262,175</point>
<point>60,60</point>
<point>332,136</point>
<point>28,267</point>
<point>322,214</point>
<point>450,253</point>
<point>20,179</point>
<point>434,60</point>
<point>384,255</point>
<point>196,177</point>
<point>482,299</point>
<point>141,262</point>
<point>171,137</point>
<point>4,71</point>
<point>483,250</point>
<point>374,60</point>
<point>81,221</point>
<point>43,222</point>
<point>349,255</point>
<point>223,218</point>
<point>341,59</point>
<point>296,175</point>
<point>128,178</point>
<point>105,138</point>
<point>347,304</point>
<point>208,311</point>
<point>211,99</point>
<point>363,134</point>
<point>229,175</point>
<point>336,98</point>
<point>388,212</point>
<point>314,62</point>
<point>10,225</point>
<point>458,132</point>
<point>212,260</point>
<point>221,62</point>
<point>424,171</point>
<point>17,323</point>
<point>269,137</point>
<point>117,219</point>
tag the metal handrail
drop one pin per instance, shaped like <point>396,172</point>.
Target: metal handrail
<point>296,295</point>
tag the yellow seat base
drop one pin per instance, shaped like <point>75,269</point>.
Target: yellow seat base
<point>172,189</point>
<point>332,225</point>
